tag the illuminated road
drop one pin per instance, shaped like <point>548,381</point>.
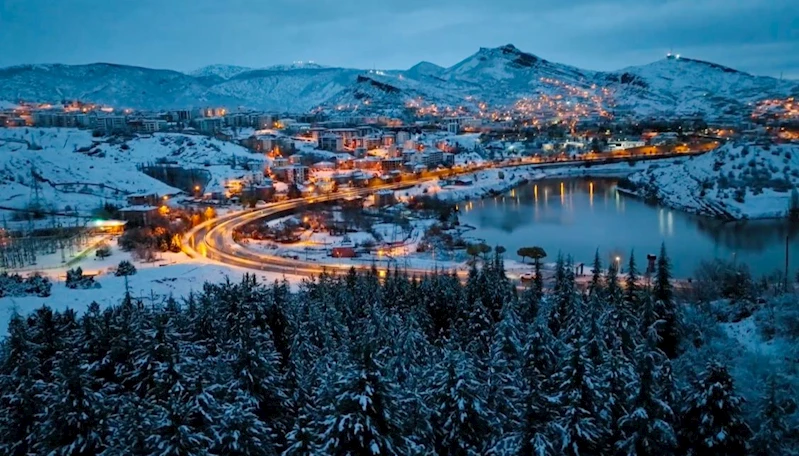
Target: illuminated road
<point>214,239</point>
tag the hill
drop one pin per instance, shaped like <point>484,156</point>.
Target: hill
<point>76,170</point>
<point>745,180</point>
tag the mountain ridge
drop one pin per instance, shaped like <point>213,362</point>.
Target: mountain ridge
<point>498,77</point>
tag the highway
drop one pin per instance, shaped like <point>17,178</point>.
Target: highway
<point>213,239</point>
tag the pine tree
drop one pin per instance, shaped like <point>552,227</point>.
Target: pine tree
<point>597,286</point>
<point>649,426</point>
<point>125,268</point>
<point>255,363</point>
<point>505,369</point>
<point>711,422</point>
<point>564,298</point>
<point>172,433</point>
<point>239,432</point>
<point>775,436</point>
<point>666,308</point>
<point>362,418</point>
<point>631,288</point>
<point>19,388</point>
<point>461,422</point>
<point>615,293</point>
<point>72,421</point>
<point>581,431</point>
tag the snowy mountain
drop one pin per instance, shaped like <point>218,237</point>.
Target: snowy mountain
<point>492,79</point>
<point>220,71</point>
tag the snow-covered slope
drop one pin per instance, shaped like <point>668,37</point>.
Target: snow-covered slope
<point>219,70</point>
<point>493,78</point>
<point>684,86</point>
<point>741,181</point>
<point>102,170</point>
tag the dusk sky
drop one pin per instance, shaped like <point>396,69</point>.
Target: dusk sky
<point>758,36</point>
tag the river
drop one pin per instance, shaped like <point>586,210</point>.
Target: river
<point>579,216</point>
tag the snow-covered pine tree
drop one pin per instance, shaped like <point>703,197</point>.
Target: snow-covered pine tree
<point>125,268</point>
<point>711,421</point>
<point>564,298</point>
<point>649,426</point>
<point>363,417</point>
<point>665,307</point>
<point>255,367</point>
<point>631,286</point>
<point>775,437</point>
<point>505,374</point>
<point>597,286</point>
<point>19,388</point>
<point>580,422</point>
<point>73,418</point>
<point>239,432</point>
<point>172,433</point>
<point>461,421</point>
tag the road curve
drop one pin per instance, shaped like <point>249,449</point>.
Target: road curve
<point>213,239</point>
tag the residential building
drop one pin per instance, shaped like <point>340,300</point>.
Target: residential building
<point>293,174</point>
<point>372,142</point>
<point>391,164</point>
<point>369,163</point>
<point>402,137</point>
<point>208,124</point>
<point>432,158</point>
<point>385,198</point>
<point>449,159</point>
<point>331,142</point>
<point>108,123</point>
<point>153,125</point>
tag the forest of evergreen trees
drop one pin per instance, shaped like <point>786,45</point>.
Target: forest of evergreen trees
<point>364,365</point>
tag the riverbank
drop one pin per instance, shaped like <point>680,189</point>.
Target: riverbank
<point>492,182</point>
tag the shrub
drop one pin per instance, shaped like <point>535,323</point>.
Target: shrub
<point>125,268</point>
<point>15,285</point>
<point>724,279</point>
<point>76,279</point>
<point>103,251</point>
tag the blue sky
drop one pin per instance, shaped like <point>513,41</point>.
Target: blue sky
<point>758,36</point>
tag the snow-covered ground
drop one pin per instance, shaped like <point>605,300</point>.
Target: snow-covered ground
<point>747,180</point>
<point>101,169</point>
<point>173,274</point>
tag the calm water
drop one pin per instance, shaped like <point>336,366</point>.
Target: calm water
<point>577,216</point>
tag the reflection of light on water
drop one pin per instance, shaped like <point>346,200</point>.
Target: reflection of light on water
<point>535,192</point>
<point>618,201</point>
<point>661,221</point>
<point>562,195</point>
<point>591,194</point>
<point>670,223</point>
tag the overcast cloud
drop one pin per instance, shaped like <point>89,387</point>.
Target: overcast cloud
<point>758,36</point>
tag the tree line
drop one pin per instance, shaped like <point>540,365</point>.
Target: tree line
<point>363,365</point>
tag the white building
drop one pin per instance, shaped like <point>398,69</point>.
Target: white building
<point>624,144</point>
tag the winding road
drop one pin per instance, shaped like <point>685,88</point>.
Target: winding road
<point>213,239</point>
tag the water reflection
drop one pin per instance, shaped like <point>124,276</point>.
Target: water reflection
<point>574,224</point>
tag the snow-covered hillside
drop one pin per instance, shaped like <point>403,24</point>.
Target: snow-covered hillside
<point>740,181</point>
<point>102,170</point>
<point>219,70</point>
<point>492,77</point>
